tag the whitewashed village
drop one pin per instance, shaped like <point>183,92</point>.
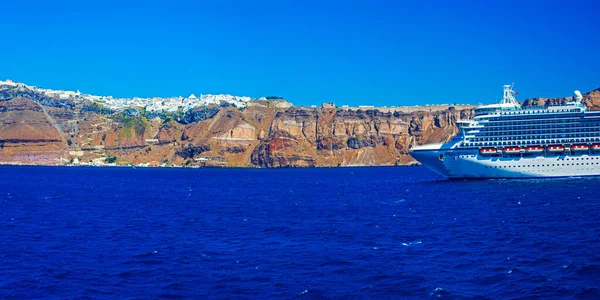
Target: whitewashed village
<point>154,104</point>
<point>173,104</point>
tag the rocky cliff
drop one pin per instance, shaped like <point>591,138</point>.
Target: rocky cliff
<point>46,131</point>
<point>591,100</point>
<point>28,135</point>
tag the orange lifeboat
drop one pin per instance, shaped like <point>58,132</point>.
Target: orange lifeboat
<point>511,150</point>
<point>487,151</point>
<point>596,147</point>
<point>534,149</point>
<point>579,147</point>
<point>556,148</point>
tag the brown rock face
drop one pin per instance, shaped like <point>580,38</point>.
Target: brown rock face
<point>591,100</point>
<point>282,150</point>
<point>257,136</point>
<point>346,138</point>
<point>28,135</point>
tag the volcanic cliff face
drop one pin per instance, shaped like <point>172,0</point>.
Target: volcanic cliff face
<point>591,100</point>
<point>330,137</point>
<point>28,134</point>
<point>38,130</point>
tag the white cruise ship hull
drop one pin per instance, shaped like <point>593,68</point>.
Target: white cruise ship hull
<point>456,164</point>
<point>506,140</point>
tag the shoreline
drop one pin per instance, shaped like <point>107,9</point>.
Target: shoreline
<point>3,164</point>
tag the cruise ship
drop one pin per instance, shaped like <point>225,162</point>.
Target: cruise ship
<point>507,140</point>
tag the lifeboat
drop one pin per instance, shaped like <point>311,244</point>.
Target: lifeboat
<point>555,148</point>
<point>511,150</point>
<point>579,147</point>
<point>596,147</point>
<point>534,149</point>
<point>487,151</point>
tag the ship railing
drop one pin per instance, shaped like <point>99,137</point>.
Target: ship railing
<point>536,107</point>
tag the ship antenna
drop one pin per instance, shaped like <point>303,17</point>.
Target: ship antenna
<point>508,95</point>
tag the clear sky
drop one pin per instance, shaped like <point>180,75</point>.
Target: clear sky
<point>358,53</point>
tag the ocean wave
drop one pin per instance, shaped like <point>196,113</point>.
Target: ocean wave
<point>413,243</point>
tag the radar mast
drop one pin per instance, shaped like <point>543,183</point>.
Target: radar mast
<point>508,96</point>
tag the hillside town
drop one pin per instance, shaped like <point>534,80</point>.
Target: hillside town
<point>154,104</point>
<point>180,103</point>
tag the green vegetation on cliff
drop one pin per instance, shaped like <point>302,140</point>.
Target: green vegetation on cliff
<point>136,125</point>
<point>96,108</point>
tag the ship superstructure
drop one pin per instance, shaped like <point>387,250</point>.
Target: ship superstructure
<point>506,140</point>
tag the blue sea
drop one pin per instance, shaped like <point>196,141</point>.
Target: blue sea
<point>338,233</point>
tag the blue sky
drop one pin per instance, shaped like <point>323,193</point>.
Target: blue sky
<point>357,53</point>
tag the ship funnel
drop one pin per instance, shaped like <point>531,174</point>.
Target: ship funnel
<point>577,96</point>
